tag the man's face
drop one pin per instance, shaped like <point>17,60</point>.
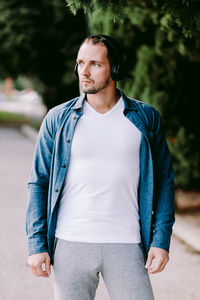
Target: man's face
<point>93,68</point>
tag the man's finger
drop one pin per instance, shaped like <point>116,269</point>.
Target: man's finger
<point>42,273</point>
<point>149,261</point>
<point>164,264</point>
<point>36,271</point>
<point>158,267</point>
<point>33,270</point>
<point>45,274</point>
<point>47,266</point>
<point>39,269</point>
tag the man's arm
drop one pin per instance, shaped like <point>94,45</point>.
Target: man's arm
<point>164,205</point>
<point>36,217</point>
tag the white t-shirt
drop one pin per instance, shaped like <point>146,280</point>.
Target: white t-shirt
<point>99,201</point>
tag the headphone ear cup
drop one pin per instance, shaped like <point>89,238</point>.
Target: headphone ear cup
<point>115,72</point>
<point>76,69</point>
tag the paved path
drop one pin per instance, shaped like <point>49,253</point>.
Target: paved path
<point>180,280</point>
<point>16,280</point>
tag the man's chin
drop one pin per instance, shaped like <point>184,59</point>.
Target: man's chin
<point>94,90</point>
<point>89,90</point>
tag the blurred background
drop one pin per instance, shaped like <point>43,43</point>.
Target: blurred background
<point>39,43</point>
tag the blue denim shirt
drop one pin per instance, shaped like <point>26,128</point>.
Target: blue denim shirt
<point>51,161</point>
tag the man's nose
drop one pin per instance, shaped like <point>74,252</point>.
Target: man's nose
<point>85,70</point>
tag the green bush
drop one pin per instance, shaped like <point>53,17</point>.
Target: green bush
<point>186,158</point>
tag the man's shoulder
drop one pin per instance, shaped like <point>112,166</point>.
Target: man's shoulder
<point>142,105</point>
<point>147,113</point>
<point>63,106</point>
<point>56,113</point>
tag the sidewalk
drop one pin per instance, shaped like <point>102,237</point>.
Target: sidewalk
<point>187,225</point>
<point>187,229</point>
<point>16,279</point>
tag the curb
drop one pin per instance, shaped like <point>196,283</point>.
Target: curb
<point>187,232</point>
<point>29,132</point>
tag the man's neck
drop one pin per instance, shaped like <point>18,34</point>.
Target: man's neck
<point>104,100</point>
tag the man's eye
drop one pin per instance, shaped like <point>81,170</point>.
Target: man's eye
<point>96,64</point>
<point>80,63</point>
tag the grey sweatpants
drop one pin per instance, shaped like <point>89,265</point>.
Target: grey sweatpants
<point>77,266</point>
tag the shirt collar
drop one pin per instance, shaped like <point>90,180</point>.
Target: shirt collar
<point>128,103</point>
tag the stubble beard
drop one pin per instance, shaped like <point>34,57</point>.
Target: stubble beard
<point>93,89</point>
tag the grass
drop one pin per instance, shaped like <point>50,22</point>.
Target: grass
<point>8,118</point>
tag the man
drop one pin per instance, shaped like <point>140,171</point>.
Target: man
<point>101,195</point>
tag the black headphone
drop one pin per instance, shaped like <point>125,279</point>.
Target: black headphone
<point>114,50</point>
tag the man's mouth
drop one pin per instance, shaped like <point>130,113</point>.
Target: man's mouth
<point>86,81</point>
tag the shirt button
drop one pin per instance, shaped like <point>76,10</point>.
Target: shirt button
<point>68,141</point>
<point>74,118</point>
<point>56,190</point>
<point>63,166</point>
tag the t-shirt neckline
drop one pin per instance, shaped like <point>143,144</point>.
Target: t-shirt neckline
<point>106,113</point>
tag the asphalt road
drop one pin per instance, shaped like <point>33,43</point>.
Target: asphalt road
<point>180,279</point>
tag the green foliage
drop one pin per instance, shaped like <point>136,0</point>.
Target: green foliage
<point>39,40</point>
<point>185,159</point>
<point>146,86</point>
<point>185,14</point>
<point>89,6</point>
<point>23,82</point>
<point>74,5</point>
<point>162,68</point>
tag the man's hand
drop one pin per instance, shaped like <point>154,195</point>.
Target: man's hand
<point>157,260</point>
<point>40,264</point>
